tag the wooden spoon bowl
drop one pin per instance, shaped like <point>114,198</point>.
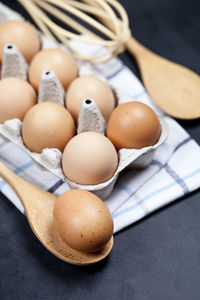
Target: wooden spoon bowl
<point>174,88</point>
<point>38,205</point>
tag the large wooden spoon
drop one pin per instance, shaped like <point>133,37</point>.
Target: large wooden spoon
<point>174,88</point>
<point>38,205</point>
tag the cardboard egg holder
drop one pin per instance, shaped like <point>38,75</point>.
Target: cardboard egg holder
<point>90,119</point>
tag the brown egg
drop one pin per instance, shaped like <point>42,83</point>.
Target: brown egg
<point>16,97</point>
<point>89,87</point>
<point>47,125</point>
<point>133,125</point>
<point>57,60</point>
<point>89,158</point>
<point>23,35</point>
<point>83,220</point>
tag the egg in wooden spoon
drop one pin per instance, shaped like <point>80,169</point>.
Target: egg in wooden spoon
<point>39,206</point>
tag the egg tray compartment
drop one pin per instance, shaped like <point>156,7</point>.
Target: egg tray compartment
<point>90,119</point>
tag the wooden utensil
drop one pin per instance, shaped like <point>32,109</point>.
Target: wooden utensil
<point>174,88</point>
<point>38,205</point>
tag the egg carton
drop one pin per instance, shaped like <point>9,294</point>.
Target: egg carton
<point>90,119</point>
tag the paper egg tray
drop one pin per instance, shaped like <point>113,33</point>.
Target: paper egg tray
<point>90,119</point>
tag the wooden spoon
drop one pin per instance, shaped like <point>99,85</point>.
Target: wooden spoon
<point>38,205</point>
<point>174,88</point>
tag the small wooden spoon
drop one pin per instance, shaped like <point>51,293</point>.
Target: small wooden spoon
<point>38,205</point>
<point>174,88</point>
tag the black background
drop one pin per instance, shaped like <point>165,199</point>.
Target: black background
<point>157,258</point>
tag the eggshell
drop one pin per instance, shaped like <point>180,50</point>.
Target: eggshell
<point>133,125</point>
<point>23,35</point>
<point>57,60</point>
<point>47,125</point>
<point>89,87</point>
<point>83,220</point>
<point>89,158</point>
<point>16,97</point>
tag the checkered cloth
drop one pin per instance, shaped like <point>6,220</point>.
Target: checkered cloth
<point>174,171</point>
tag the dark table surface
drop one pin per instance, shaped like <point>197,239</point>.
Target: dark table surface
<point>157,258</point>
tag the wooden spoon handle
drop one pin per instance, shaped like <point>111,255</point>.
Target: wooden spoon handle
<point>143,57</point>
<point>134,47</point>
<point>26,192</point>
